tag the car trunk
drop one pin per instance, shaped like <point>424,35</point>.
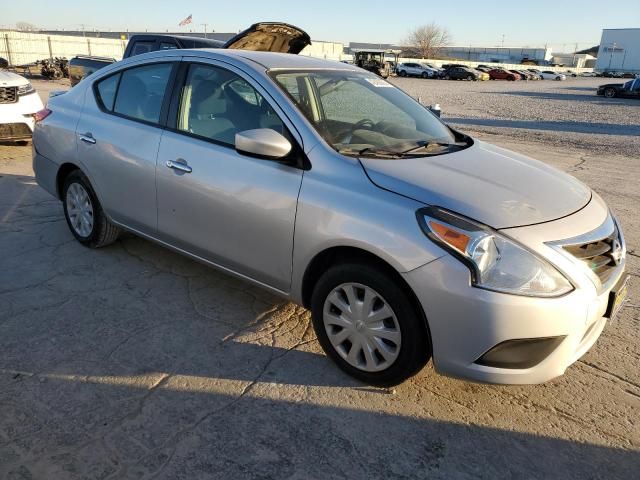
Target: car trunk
<point>270,37</point>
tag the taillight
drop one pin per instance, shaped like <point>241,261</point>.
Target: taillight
<point>42,114</point>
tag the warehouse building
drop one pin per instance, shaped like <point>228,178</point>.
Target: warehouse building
<point>619,50</point>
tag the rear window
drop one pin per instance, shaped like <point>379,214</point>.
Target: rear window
<point>142,47</point>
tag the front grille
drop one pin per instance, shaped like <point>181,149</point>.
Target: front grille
<point>10,131</point>
<point>601,256</point>
<point>8,94</point>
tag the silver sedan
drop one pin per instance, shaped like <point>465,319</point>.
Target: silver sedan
<point>325,184</point>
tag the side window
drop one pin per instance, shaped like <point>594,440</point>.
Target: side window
<point>216,104</point>
<point>106,91</point>
<point>141,47</point>
<point>141,91</point>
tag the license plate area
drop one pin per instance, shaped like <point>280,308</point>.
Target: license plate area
<point>617,297</point>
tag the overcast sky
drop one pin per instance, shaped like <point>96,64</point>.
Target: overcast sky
<point>560,24</point>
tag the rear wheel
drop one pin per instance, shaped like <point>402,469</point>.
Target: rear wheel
<point>610,92</point>
<point>368,324</point>
<point>402,73</point>
<point>84,214</point>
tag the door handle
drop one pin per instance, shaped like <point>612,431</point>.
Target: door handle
<point>179,165</point>
<point>87,138</point>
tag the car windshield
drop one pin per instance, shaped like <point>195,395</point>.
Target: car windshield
<point>360,114</point>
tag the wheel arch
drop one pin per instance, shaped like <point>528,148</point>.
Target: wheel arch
<point>331,256</point>
<point>64,171</point>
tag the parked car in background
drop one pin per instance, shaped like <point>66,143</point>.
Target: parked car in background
<point>480,68</point>
<point>630,89</point>
<point>412,240</point>
<point>264,36</point>
<point>588,74</point>
<point>463,73</point>
<point>410,69</point>
<point>501,74</point>
<point>527,75</point>
<point>81,66</point>
<point>549,75</point>
<point>570,73</point>
<point>19,104</point>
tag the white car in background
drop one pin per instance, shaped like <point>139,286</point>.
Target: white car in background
<point>549,75</point>
<point>588,74</point>
<point>19,103</point>
<point>416,70</point>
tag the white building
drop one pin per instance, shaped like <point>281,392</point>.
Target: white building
<point>619,50</point>
<point>515,55</point>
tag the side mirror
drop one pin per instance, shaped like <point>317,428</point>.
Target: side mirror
<point>262,143</point>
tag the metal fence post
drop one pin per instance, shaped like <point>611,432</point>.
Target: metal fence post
<point>6,41</point>
<point>50,50</point>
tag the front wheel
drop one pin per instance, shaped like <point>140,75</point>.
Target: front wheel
<point>425,75</point>
<point>470,77</point>
<point>610,92</point>
<point>402,73</point>
<point>369,325</point>
<point>84,214</point>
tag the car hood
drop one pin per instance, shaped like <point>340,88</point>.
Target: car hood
<point>497,187</point>
<point>10,79</point>
<point>270,37</point>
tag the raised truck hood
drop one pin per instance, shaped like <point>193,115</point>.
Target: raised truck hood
<point>494,186</point>
<point>270,37</point>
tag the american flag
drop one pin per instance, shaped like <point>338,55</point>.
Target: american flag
<point>186,21</point>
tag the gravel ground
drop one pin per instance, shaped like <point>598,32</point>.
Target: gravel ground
<point>134,362</point>
<point>564,114</point>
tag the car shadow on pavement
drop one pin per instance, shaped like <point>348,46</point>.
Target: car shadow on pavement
<point>561,126</point>
<point>78,427</point>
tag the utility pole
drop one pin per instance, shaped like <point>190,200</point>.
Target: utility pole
<point>205,25</point>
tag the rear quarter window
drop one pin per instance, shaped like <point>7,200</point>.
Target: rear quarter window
<point>106,91</point>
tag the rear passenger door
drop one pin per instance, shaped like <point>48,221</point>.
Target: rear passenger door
<point>228,208</point>
<point>118,137</point>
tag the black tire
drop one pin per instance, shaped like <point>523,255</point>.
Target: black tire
<point>415,350</point>
<point>447,77</point>
<point>425,75</point>
<point>402,73</point>
<point>610,92</point>
<point>470,77</point>
<point>103,232</point>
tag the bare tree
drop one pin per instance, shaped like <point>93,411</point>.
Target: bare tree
<point>26,27</point>
<point>428,39</point>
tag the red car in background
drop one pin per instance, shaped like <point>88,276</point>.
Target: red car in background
<point>500,74</point>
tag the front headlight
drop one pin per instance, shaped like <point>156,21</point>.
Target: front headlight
<point>496,262</point>
<point>25,89</point>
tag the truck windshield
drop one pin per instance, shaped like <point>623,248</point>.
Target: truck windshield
<point>360,114</point>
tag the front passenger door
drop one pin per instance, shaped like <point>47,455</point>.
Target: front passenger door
<point>231,209</point>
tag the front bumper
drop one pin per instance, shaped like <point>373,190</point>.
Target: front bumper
<point>466,322</point>
<point>16,119</point>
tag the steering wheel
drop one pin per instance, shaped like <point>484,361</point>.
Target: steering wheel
<point>364,123</point>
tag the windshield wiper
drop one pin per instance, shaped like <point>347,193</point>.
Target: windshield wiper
<point>378,152</point>
<point>425,145</point>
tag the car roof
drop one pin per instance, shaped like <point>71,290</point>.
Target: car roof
<point>268,60</point>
